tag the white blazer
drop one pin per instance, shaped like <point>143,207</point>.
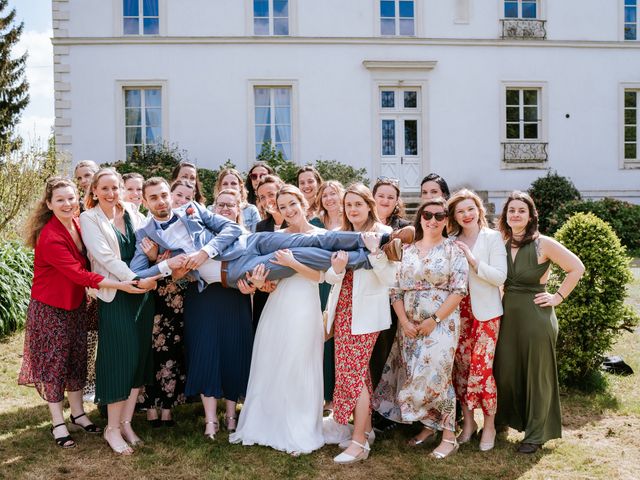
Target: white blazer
<point>103,249</point>
<point>484,286</point>
<point>371,310</point>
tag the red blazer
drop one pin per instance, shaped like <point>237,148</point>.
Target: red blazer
<point>60,270</point>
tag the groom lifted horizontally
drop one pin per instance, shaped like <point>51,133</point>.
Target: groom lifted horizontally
<point>215,249</point>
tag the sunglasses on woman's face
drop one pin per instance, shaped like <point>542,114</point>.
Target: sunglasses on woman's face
<point>257,176</point>
<point>440,216</point>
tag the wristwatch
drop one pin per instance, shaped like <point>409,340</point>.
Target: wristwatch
<point>435,318</point>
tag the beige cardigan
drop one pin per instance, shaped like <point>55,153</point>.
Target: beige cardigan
<point>371,310</point>
<point>103,249</point>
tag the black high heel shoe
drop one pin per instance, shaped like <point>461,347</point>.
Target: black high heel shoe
<point>63,442</point>
<point>91,428</point>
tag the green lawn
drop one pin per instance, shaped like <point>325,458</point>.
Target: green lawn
<point>601,440</point>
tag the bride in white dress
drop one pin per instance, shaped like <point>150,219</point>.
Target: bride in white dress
<point>283,406</point>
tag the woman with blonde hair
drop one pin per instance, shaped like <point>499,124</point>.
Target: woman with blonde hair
<point>480,312</point>
<point>230,179</point>
<point>55,344</point>
<point>124,357</point>
<point>358,309</point>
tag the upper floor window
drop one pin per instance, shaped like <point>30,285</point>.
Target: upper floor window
<point>273,118</point>
<point>524,144</point>
<point>271,17</point>
<point>143,117</point>
<point>631,19</point>
<point>397,17</point>
<point>140,17</point>
<point>521,9</point>
<point>631,125</point>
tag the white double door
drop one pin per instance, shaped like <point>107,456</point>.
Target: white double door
<point>400,130</point>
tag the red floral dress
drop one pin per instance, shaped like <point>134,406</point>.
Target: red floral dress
<point>352,354</point>
<point>473,367</point>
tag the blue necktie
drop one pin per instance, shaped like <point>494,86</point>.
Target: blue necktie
<point>165,225</point>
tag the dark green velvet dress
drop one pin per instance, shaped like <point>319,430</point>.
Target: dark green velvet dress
<point>124,351</point>
<point>525,362</point>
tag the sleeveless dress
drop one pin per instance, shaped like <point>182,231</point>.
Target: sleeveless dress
<point>525,363</point>
<point>283,407</point>
<point>124,358</point>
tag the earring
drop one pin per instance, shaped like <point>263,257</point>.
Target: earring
<point>95,197</point>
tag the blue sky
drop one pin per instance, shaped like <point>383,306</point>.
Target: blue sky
<point>37,118</point>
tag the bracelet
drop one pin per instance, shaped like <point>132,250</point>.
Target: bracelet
<point>561,295</point>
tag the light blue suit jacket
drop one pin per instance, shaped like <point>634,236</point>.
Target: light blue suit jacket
<point>205,227</point>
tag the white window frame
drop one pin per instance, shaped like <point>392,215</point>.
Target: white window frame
<point>625,163</point>
<point>417,23</point>
<point>119,102</point>
<point>623,23</point>
<point>118,15</point>
<point>543,115</point>
<point>540,11</point>
<point>293,16</point>
<point>251,111</point>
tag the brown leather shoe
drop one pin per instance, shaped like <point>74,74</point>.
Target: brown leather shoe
<point>393,250</point>
<point>528,447</point>
<point>405,234</point>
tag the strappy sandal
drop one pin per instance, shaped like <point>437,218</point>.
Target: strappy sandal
<point>415,442</point>
<point>91,428</point>
<point>228,420</point>
<point>138,442</point>
<point>63,442</point>
<point>346,459</point>
<point>440,456</point>
<point>124,449</point>
<point>212,436</point>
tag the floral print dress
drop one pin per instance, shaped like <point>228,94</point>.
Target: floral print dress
<point>167,389</point>
<point>416,383</point>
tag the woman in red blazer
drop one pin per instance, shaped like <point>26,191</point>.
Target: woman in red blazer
<point>55,344</point>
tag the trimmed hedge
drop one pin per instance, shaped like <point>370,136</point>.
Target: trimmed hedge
<point>549,193</point>
<point>16,275</point>
<point>594,315</point>
<point>624,218</point>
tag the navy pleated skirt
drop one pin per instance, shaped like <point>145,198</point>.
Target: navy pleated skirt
<point>218,341</point>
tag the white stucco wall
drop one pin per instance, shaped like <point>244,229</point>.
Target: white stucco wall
<point>207,85</point>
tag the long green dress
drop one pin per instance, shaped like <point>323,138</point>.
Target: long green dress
<point>525,362</point>
<point>124,358</point>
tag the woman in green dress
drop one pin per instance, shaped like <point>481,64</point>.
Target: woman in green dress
<point>124,361</point>
<point>525,362</point>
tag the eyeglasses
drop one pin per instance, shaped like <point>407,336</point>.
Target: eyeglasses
<point>257,176</point>
<point>222,205</point>
<point>391,180</point>
<point>440,216</point>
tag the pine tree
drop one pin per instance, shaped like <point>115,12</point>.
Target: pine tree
<point>14,89</point>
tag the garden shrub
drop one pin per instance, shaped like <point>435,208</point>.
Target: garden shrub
<point>160,160</point>
<point>594,315</point>
<point>16,274</point>
<point>328,169</point>
<point>549,193</point>
<point>624,218</point>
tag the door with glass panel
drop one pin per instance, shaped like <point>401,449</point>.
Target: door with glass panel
<point>400,135</point>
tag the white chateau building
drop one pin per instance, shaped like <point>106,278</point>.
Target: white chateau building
<point>487,93</point>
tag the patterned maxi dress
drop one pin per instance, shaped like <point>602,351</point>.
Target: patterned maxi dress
<point>352,356</point>
<point>167,389</point>
<point>416,383</point>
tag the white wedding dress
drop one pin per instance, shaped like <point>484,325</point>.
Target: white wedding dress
<point>283,406</point>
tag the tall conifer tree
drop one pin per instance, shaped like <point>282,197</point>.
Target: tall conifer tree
<point>14,89</point>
